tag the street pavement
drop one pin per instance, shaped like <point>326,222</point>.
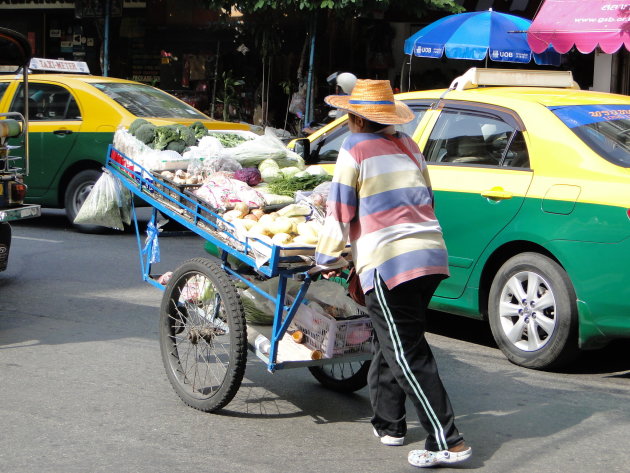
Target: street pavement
<point>83,388</point>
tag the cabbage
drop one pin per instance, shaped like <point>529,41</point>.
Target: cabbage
<point>289,171</point>
<point>316,171</point>
<point>268,164</point>
<point>270,174</point>
<point>250,176</point>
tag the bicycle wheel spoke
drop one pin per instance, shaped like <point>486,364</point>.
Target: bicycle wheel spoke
<point>203,335</point>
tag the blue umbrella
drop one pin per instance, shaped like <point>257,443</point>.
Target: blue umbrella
<point>478,35</point>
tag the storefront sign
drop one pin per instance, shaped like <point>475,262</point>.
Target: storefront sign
<point>583,23</point>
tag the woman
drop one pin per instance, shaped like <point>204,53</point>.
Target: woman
<point>381,201</point>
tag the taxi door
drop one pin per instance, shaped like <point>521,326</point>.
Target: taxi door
<point>479,171</point>
<point>54,121</point>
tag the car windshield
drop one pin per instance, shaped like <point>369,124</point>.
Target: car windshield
<point>605,128</point>
<point>146,101</point>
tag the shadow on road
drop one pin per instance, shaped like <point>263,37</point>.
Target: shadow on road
<point>463,328</point>
<point>614,358</point>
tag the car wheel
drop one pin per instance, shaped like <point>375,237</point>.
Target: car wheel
<point>77,191</point>
<point>533,312</point>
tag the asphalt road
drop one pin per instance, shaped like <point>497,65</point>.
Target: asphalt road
<point>83,388</point>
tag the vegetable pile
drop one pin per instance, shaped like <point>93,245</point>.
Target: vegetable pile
<point>182,177</point>
<point>287,226</point>
<point>175,137</point>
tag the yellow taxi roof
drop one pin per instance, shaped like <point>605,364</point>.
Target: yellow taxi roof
<point>545,96</point>
<point>69,78</point>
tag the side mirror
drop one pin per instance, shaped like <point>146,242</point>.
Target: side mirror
<point>302,146</point>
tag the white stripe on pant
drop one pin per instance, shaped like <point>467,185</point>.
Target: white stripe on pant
<point>398,316</point>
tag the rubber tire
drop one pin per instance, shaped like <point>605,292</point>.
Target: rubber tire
<point>562,347</point>
<point>76,192</point>
<point>238,335</point>
<point>356,381</point>
<point>5,244</point>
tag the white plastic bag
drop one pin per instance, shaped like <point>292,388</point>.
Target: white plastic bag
<point>333,298</point>
<point>251,153</point>
<point>108,204</point>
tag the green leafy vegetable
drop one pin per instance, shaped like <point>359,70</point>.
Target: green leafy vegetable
<point>176,145</point>
<point>164,135</point>
<point>146,133</point>
<point>187,135</point>
<point>199,129</point>
<point>290,185</point>
<point>228,140</point>
<point>255,315</point>
<point>137,123</point>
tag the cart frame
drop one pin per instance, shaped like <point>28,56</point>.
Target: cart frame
<point>198,218</point>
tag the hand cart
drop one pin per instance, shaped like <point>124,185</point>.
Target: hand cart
<point>204,337</point>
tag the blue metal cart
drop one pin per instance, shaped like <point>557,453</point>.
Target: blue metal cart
<point>204,337</point>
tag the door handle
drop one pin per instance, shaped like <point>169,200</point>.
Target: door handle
<point>497,193</point>
<point>62,132</point>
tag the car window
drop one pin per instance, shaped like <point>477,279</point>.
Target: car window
<point>47,102</point>
<point>3,87</point>
<point>466,137</point>
<point>410,128</point>
<point>146,101</point>
<point>326,148</point>
<point>604,128</point>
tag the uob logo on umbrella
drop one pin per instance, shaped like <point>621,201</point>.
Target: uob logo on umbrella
<point>477,35</point>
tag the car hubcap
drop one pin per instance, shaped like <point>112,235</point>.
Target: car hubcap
<point>82,194</point>
<point>527,311</point>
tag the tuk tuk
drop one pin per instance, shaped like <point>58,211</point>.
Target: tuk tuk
<point>15,55</point>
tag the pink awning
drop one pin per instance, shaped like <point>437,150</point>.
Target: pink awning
<point>583,23</point>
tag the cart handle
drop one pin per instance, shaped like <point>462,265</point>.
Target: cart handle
<point>322,268</point>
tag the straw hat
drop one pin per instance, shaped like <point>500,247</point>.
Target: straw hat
<point>374,101</point>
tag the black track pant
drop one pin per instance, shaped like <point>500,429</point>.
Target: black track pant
<point>403,364</point>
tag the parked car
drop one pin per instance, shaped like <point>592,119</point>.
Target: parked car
<point>532,188</point>
<point>72,120</point>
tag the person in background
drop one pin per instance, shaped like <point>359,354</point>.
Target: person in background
<point>343,83</point>
<point>381,201</point>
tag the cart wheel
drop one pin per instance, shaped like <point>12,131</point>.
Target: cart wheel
<point>342,377</point>
<point>203,335</point>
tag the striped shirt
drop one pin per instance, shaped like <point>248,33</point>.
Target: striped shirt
<point>382,203</point>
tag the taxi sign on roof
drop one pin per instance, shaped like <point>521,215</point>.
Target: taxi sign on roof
<point>58,65</point>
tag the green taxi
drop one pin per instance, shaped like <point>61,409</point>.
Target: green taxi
<point>532,188</point>
<point>72,120</point>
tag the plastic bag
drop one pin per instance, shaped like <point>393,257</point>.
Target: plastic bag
<point>212,165</point>
<point>222,192</point>
<point>261,310</point>
<point>129,145</point>
<point>315,201</point>
<point>210,146</point>
<point>108,204</point>
<point>251,153</point>
<point>333,299</point>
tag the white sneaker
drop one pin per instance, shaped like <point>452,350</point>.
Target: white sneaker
<point>389,440</point>
<point>427,458</point>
